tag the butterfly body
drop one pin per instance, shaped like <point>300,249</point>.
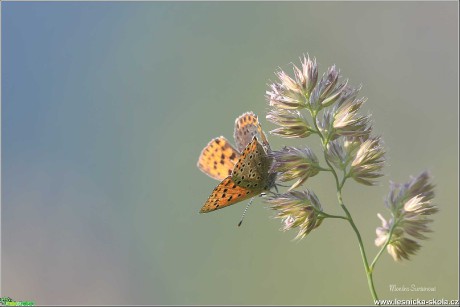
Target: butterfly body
<point>244,174</point>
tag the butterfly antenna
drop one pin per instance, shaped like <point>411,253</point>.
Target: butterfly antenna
<point>244,212</point>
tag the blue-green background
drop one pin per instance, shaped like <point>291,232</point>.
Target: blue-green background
<point>106,107</point>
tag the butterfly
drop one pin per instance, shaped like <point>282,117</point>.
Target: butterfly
<point>244,171</point>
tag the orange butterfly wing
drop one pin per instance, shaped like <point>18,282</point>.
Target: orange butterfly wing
<point>246,127</point>
<point>252,169</point>
<point>225,194</point>
<point>249,178</point>
<point>218,158</point>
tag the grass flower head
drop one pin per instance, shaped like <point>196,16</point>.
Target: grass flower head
<point>410,206</point>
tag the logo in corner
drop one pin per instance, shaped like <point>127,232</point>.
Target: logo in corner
<point>8,301</point>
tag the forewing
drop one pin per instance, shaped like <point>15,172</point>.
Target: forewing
<point>225,194</point>
<point>218,158</point>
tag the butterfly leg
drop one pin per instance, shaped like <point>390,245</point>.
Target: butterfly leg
<point>281,185</point>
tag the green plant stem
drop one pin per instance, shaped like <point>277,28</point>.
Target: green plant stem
<point>382,249</point>
<point>340,185</point>
<point>370,281</point>
<point>371,267</point>
<point>323,169</point>
<point>325,215</point>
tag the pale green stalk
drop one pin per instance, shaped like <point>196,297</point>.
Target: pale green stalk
<point>339,185</point>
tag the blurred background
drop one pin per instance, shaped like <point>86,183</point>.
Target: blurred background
<point>106,107</point>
